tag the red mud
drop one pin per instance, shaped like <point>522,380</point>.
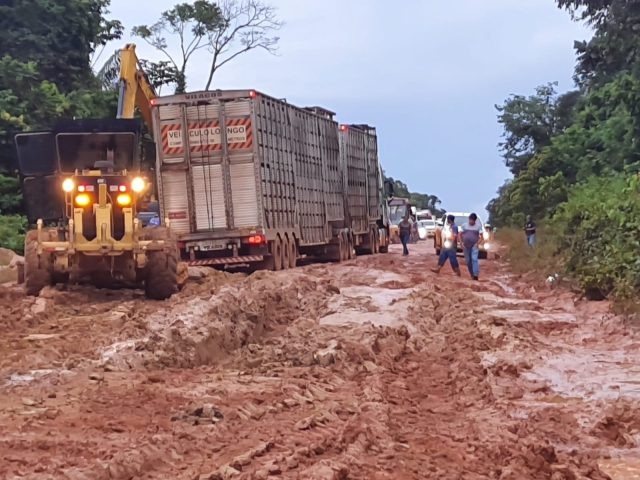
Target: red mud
<point>373,369</point>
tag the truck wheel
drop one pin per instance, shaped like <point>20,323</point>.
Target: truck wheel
<point>383,248</point>
<point>351,253</point>
<point>37,269</point>
<point>341,248</point>
<point>161,276</point>
<point>286,252</point>
<point>275,262</point>
<point>376,240</point>
<point>293,252</point>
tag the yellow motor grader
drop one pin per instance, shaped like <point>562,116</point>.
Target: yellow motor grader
<point>82,184</point>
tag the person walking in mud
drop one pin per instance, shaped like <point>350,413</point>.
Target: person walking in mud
<point>405,226</point>
<point>449,246</point>
<point>530,232</point>
<point>470,236</point>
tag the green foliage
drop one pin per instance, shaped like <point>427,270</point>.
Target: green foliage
<point>615,46</point>
<point>597,230</point>
<point>578,172</point>
<point>10,202</point>
<point>12,230</point>
<point>530,123</point>
<point>57,36</point>
<point>45,74</point>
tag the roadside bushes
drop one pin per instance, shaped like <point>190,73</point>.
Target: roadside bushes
<point>12,228</point>
<point>598,235</point>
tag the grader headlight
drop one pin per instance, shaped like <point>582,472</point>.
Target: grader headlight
<point>83,200</point>
<point>124,199</point>
<point>138,184</point>
<point>68,185</point>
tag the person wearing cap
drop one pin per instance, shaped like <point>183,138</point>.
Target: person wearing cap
<point>449,246</point>
<point>470,236</point>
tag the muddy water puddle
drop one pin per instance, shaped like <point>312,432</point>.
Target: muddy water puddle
<point>591,374</point>
<point>621,468</point>
<point>375,305</point>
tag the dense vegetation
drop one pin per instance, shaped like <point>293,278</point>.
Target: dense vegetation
<point>575,157</point>
<point>45,74</point>
<point>48,62</point>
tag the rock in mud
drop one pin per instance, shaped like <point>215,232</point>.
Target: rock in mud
<point>328,355</point>
<point>198,273</point>
<point>39,306</point>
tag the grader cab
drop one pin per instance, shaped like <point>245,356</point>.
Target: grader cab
<point>82,186</point>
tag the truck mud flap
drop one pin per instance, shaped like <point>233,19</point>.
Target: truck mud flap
<point>226,261</point>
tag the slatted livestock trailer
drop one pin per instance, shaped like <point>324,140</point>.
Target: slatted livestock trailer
<point>365,205</point>
<point>244,178</point>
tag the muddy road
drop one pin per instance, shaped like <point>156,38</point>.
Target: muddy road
<point>372,369</point>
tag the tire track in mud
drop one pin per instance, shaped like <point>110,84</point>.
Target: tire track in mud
<point>374,369</point>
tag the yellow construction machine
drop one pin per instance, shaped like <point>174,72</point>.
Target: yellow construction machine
<point>82,184</point>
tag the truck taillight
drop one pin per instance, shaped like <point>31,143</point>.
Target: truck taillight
<point>255,240</point>
<point>253,94</point>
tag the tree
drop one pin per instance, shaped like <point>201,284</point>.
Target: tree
<point>159,73</point>
<point>59,37</point>
<point>193,24</point>
<point>45,74</point>
<point>530,123</point>
<point>246,25</point>
<point>615,46</point>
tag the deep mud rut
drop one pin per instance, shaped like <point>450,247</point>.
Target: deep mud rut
<point>373,369</point>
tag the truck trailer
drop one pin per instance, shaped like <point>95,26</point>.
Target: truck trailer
<point>245,178</point>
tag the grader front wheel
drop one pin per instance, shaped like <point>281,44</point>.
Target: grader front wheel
<point>37,268</point>
<point>162,276</point>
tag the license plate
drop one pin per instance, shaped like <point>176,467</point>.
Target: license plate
<point>208,246</point>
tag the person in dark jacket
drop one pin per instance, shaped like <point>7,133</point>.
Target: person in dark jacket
<point>530,231</point>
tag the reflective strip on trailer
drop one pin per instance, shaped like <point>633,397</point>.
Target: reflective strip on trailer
<point>205,136</point>
<point>227,260</point>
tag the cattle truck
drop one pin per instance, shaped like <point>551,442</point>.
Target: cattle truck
<point>245,178</point>
<point>364,193</point>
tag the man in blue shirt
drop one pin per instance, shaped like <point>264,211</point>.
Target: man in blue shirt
<point>449,246</point>
<point>470,236</point>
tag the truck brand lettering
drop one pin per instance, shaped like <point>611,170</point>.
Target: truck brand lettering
<point>178,215</point>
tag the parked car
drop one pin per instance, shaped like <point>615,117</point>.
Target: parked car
<point>426,228</point>
<point>442,235</point>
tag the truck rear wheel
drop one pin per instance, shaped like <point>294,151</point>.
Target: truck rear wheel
<point>286,253</point>
<point>293,252</point>
<point>37,269</point>
<point>161,276</point>
<point>375,235</point>
<point>351,253</point>
<point>274,261</point>
<point>383,248</point>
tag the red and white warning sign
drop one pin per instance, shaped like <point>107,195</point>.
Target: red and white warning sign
<point>172,139</point>
<point>207,136</point>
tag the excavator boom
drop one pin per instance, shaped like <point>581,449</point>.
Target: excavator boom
<point>135,88</point>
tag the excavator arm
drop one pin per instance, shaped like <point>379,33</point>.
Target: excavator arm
<point>135,88</point>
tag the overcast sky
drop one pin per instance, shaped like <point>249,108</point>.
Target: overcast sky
<point>425,73</point>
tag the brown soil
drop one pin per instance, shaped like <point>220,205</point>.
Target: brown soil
<point>372,369</point>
